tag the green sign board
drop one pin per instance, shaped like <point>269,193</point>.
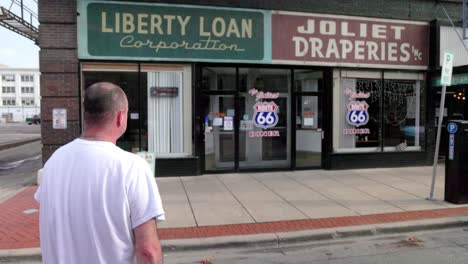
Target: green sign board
<point>457,79</point>
<point>157,31</point>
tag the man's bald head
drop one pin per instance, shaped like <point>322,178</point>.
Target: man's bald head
<point>101,101</point>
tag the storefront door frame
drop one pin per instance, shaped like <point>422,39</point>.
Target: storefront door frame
<point>326,101</point>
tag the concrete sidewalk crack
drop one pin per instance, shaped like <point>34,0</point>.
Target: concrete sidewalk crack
<point>237,199</point>
<point>399,189</point>
<point>363,191</point>
<point>279,195</point>
<point>189,202</point>
<point>322,194</point>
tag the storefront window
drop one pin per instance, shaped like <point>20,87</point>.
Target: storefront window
<point>402,118</point>
<point>159,96</point>
<point>128,81</point>
<point>219,79</point>
<point>164,101</point>
<point>379,111</point>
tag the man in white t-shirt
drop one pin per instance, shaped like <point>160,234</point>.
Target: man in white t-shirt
<point>99,203</point>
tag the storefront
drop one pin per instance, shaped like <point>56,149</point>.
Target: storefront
<point>456,106</point>
<point>224,90</point>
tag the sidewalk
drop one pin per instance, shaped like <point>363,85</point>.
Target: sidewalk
<point>13,140</point>
<point>240,209</point>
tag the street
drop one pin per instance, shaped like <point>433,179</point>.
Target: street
<point>19,165</point>
<point>430,247</point>
<point>437,247</point>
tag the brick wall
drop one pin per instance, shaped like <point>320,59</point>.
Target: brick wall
<point>424,10</point>
<point>58,60</point>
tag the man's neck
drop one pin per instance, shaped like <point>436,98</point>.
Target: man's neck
<point>98,136</point>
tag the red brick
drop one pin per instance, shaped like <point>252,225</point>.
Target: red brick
<point>59,84</point>
<point>59,137</point>
<point>49,34</point>
<point>57,11</point>
<point>72,104</point>
<point>58,60</point>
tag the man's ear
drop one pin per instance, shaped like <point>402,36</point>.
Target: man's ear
<point>120,117</point>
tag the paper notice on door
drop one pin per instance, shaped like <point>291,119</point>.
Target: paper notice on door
<point>134,116</point>
<point>246,125</point>
<point>308,121</point>
<point>230,112</point>
<point>228,123</point>
<point>218,121</point>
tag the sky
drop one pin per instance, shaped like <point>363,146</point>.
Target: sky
<point>15,50</point>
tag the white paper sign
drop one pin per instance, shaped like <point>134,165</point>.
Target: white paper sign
<point>228,123</point>
<point>134,116</point>
<point>308,121</point>
<point>149,157</point>
<point>59,118</point>
<point>218,121</point>
<point>246,125</point>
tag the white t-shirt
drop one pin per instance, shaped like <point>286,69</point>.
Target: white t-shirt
<point>92,195</point>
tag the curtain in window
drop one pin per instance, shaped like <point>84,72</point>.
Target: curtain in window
<point>165,112</point>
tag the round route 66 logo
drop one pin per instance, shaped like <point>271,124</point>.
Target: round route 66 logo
<point>358,114</point>
<point>266,114</point>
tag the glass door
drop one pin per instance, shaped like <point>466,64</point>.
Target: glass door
<point>218,104</point>
<point>264,126</point>
<point>219,133</point>
<point>253,119</point>
<point>309,134</point>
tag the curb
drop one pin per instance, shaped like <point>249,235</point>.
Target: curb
<point>14,255</point>
<point>18,143</point>
<point>276,240</point>
<point>294,237</point>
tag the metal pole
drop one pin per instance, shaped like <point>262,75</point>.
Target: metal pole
<point>439,128</point>
<point>22,10</point>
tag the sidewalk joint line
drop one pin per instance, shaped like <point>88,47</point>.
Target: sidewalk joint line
<point>363,191</point>
<point>402,190</point>
<point>324,195</point>
<point>235,198</point>
<point>188,200</point>
<point>279,195</point>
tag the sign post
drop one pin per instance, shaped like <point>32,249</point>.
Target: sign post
<point>446,79</point>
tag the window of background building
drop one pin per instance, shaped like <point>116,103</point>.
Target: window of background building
<point>27,102</point>
<point>27,78</point>
<point>11,102</point>
<point>8,89</point>
<point>390,104</point>
<point>26,89</point>
<point>8,77</point>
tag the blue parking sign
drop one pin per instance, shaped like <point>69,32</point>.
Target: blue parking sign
<point>452,128</point>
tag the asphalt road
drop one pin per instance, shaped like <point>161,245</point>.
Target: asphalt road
<point>434,247</point>
<point>10,132</point>
<point>431,247</point>
<point>18,168</point>
<point>19,128</point>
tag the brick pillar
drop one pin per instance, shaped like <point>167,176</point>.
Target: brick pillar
<point>58,63</point>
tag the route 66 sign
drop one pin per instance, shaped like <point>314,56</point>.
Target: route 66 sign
<point>358,114</point>
<point>265,115</point>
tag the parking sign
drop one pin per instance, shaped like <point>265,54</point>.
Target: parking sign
<point>446,78</point>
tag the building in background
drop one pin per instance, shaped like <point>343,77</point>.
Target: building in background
<point>229,86</point>
<point>19,94</point>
